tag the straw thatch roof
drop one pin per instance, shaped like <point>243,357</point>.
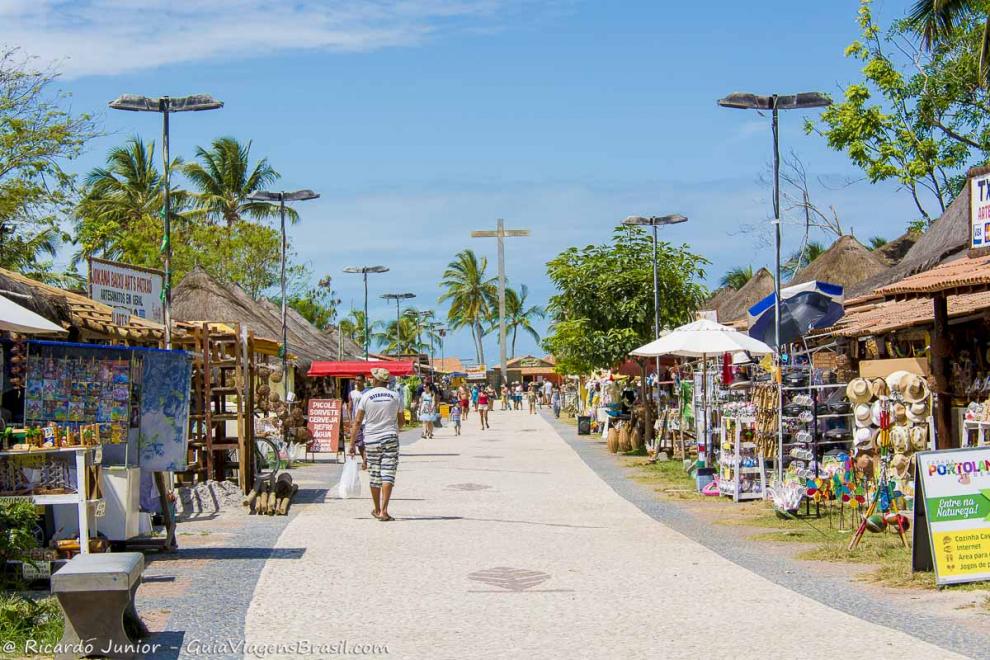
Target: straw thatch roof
<point>719,298</point>
<point>85,318</point>
<point>199,297</point>
<point>946,237</point>
<point>846,263</point>
<point>756,289</point>
<point>894,251</point>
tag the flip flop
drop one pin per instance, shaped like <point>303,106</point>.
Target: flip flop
<point>375,515</point>
<point>386,518</point>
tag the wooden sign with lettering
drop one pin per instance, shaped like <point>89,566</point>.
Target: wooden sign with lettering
<point>324,425</point>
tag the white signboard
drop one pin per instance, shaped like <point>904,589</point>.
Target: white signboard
<point>123,287</point>
<point>955,496</point>
<point>979,209</point>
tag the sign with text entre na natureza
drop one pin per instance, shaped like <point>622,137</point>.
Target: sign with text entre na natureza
<point>954,505</point>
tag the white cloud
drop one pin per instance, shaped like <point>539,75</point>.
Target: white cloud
<point>101,37</point>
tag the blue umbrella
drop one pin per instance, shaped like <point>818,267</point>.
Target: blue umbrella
<point>803,308</point>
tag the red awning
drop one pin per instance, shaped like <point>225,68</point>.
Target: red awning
<point>351,368</point>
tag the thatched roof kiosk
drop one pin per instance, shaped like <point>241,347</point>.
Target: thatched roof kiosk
<point>718,299</point>
<point>894,251</point>
<point>199,297</point>
<point>948,237</point>
<point>84,318</point>
<point>846,263</point>
<point>756,289</point>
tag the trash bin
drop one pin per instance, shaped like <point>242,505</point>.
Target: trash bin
<point>703,477</point>
<point>584,425</point>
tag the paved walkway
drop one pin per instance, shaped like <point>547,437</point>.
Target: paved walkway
<point>508,545</point>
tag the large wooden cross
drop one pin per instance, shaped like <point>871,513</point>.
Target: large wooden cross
<point>501,233</point>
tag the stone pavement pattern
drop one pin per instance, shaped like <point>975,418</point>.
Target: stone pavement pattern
<point>507,545</point>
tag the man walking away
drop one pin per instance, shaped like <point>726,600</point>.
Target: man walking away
<point>354,398</point>
<point>380,410</point>
<point>555,402</point>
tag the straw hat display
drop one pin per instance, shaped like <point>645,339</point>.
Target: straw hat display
<point>858,391</point>
<point>878,388</point>
<point>919,438</point>
<point>899,413</point>
<point>915,389</point>
<point>865,439</point>
<point>900,439</point>
<point>862,414</point>
<point>901,465</point>
<point>917,412</point>
<point>897,381</point>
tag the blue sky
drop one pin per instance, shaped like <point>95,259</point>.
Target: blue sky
<point>420,120</point>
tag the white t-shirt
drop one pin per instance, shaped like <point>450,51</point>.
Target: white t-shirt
<point>355,399</point>
<point>381,414</point>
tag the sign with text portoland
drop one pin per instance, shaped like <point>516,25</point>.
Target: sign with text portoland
<point>324,425</point>
<point>979,209</point>
<point>953,505</point>
<point>128,289</point>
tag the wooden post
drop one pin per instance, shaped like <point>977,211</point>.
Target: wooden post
<point>940,370</point>
<point>205,347</point>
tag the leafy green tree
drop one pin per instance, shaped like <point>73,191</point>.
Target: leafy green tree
<point>604,305</point>
<point>472,295</point>
<point>519,317</point>
<point>318,304</point>
<point>737,277</point>
<point>37,135</point>
<point>918,116</point>
<point>224,178</point>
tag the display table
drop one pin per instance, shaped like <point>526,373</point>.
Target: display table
<point>77,458</point>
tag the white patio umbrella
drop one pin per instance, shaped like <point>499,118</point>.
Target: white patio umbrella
<point>701,339</point>
<point>15,318</point>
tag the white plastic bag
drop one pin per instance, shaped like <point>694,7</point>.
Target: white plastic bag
<point>350,479</point>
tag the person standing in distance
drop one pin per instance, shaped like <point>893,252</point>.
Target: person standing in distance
<point>380,411</point>
<point>354,398</point>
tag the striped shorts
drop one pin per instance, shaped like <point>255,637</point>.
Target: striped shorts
<point>383,459</point>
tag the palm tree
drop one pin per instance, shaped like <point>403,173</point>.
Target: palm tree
<point>406,342</point>
<point>737,277</point>
<point>472,296</point>
<point>119,215</point>
<point>877,242</point>
<point>353,326</point>
<point>935,20</point>
<point>801,258</point>
<point>224,178</point>
<point>519,317</point>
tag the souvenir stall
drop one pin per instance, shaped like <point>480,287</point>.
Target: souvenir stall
<point>710,342</point>
<point>97,422</point>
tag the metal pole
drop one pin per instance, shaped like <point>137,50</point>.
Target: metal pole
<point>776,290</point>
<point>398,336</point>
<point>656,300</point>
<point>501,299</point>
<point>167,225</point>
<point>285,331</point>
<point>366,338</point>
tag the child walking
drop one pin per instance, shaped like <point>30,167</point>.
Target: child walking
<point>455,419</point>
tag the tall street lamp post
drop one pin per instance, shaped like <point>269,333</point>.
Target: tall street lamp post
<point>282,197</point>
<point>775,103</point>
<point>364,270</point>
<point>655,221</point>
<point>398,297</point>
<point>166,105</point>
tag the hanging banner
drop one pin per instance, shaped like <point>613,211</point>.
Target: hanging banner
<point>953,505</point>
<point>979,209</point>
<point>324,425</point>
<point>128,289</point>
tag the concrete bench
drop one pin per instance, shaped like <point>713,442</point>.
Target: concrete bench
<point>96,592</point>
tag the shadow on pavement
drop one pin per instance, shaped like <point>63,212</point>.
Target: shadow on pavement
<point>168,642</point>
<point>230,553</point>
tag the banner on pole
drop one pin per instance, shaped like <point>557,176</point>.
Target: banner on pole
<point>128,289</point>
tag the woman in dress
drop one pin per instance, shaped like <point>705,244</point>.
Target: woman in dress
<point>484,402</point>
<point>427,412</point>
